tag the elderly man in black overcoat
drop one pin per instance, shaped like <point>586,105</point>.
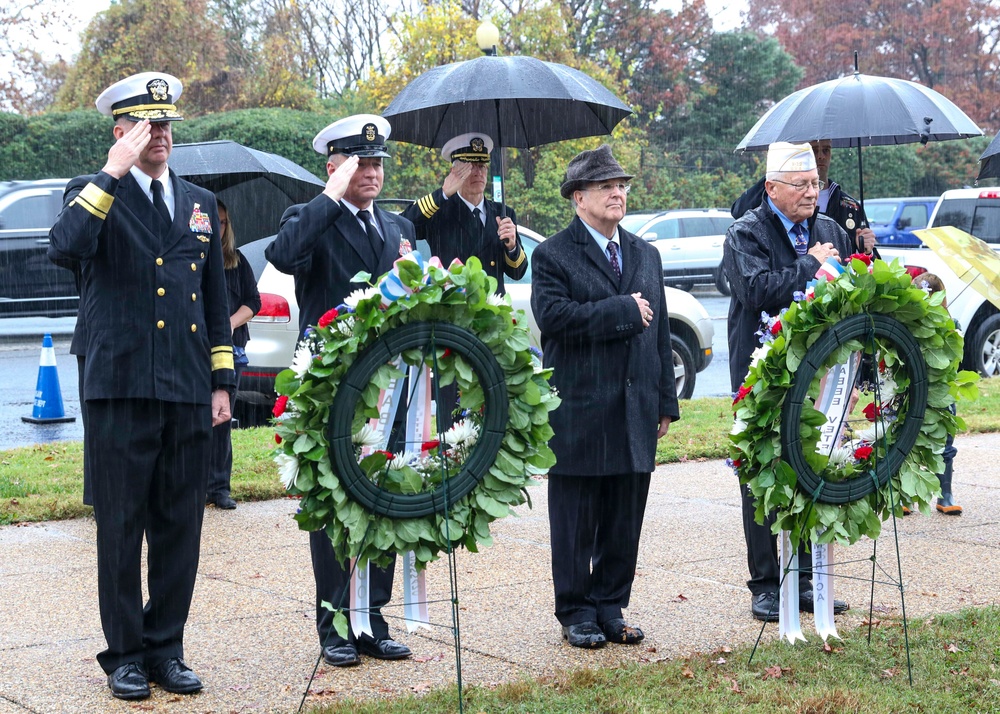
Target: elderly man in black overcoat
<point>325,243</point>
<point>597,295</point>
<point>770,253</point>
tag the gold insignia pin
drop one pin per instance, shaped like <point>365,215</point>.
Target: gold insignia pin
<point>478,144</point>
<point>157,89</point>
<point>204,239</point>
<point>370,133</point>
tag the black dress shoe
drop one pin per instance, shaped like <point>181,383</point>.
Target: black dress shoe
<point>383,649</point>
<point>764,607</point>
<point>174,676</point>
<point>587,635</point>
<point>341,655</point>
<point>223,500</point>
<point>618,632</point>
<point>129,682</point>
<point>806,603</point>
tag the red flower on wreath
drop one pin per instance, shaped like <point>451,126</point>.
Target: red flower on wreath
<point>428,445</point>
<point>279,406</point>
<point>872,411</point>
<point>744,390</point>
<point>389,456</point>
<point>863,452</point>
<point>277,438</point>
<point>328,317</point>
<point>776,327</point>
<point>866,259</point>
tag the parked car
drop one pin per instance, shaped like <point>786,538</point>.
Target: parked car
<point>893,220</point>
<point>975,211</point>
<point>30,284</point>
<point>274,330</point>
<point>690,244</point>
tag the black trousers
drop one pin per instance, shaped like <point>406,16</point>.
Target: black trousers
<point>333,585</point>
<point>762,553</point>
<point>595,523</point>
<point>220,468</point>
<point>148,464</point>
<point>88,497</point>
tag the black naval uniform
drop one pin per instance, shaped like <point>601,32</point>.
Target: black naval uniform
<point>452,231</point>
<point>842,207</point>
<point>323,245</point>
<point>158,344</point>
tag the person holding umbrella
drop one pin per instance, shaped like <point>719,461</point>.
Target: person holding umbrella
<point>597,294</point>
<point>771,252</point>
<point>833,201</point>
<point>159,372</point>
<point>324,243</point>
<point>457,221</point>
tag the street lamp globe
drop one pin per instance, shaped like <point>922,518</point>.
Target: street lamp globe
<point>487,37</point>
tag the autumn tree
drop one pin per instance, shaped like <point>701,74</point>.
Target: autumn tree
<point>27,79</point>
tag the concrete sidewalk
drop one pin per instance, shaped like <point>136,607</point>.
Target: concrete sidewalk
<point>252,639</point>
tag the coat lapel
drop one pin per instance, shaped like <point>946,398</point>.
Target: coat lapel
<point>594,252</point>
<point>140,205</point>
<point>390,240</point>
<point>630,259</point>
<point>356,237</point>
<point>183,208</point>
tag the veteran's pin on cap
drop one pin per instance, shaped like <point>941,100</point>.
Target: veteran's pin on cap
<point>783,156</point>
<point>362,135</point>
<point>472,148</point>
<point>147,95</point>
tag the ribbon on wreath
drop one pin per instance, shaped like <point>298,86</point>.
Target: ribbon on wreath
<point>418,431</point>
<point>391,286</point>
<point>788,597</point>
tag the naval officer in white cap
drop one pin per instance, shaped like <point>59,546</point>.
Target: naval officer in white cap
<point>158,372</point>
<point>324,243</point>
<point>457,221</point>
<point>770,253</point>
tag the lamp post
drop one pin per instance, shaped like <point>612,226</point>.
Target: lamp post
<point>487,37</point>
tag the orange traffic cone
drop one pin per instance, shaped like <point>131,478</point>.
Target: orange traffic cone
<point>48,407</point>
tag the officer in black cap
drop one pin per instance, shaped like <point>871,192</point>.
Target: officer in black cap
<point>324,244</point>
<point>457,221</point>
<point>158,371</point>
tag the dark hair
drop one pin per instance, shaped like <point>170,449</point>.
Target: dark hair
<point>230,258</point>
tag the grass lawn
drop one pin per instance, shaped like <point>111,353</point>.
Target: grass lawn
<point>45,482</point>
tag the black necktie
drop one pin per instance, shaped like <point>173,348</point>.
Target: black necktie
<point>158,203</point>
<point>801,243</point>
<point>478,215</point>
<point>373,237</point>
<point>615,264</point>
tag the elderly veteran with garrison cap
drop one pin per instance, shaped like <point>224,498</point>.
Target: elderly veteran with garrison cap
<point>158,371</point>
<point>325,243</point>
<point>597,295</point>
<point>457,221</point>
<point>770,253</point>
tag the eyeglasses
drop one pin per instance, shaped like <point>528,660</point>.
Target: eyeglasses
<point>801,186</point>
<point>609,187</point>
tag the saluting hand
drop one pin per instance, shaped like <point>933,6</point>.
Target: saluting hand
<point>455,178</point>
<point>340,178</point>
<point>508,232</point>
<point>125,152</point>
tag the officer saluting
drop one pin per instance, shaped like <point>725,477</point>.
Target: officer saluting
<point>157,375</point>
<point>457,221</point>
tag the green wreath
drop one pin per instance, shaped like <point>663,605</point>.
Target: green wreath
<point>451,321</point>
<point>914,351</point>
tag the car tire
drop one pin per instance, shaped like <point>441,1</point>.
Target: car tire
<point>983,349</point>
<point>685,368</point>
<point>722,282</point>
<point>685,285</point>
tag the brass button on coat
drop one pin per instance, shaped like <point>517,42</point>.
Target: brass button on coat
<point>194,328</point>
<point>194,297</point>
<point>194,267</point>
<point>161,292</point>
<point>159,323</point>
<point>159,261</point>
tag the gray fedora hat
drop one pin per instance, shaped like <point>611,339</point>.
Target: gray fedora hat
<point>590,167</point>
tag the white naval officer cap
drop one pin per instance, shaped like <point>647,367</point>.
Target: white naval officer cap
<point>361,135</point>
<point>473,147</point>
<point>784,156</point>
<point>147,95</point>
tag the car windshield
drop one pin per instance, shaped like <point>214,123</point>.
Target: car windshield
<point>636,221</point>
<point>880,213</point>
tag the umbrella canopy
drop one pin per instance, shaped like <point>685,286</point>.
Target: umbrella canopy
<point>256,186</point>
<point>519,101</point>
<point>989,162</point>
<point>973,261</point>
<point>861,110</point>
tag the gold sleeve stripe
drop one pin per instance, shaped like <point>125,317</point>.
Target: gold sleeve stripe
<point>222,360</point>
<point>223,348</point>
<point>515,263</point>
<point>97,198</point>
<point>87,207</point>
<point>427,205</point>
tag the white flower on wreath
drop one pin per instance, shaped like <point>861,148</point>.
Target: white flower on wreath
<point>739,426</point>
<point>301,361</point>
<point>841,455</point>
<point>759,354</point>
<point>463,433</point>
<point>345,327</point>
<point>887,387</point>
<point>873,433</point>
<point>366,437</point>
<point>497,300</point>
<point>359,295</point>
<point>288,469</point>
<point>402,460</point>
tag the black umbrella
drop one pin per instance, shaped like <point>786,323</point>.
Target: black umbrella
<point>989,162</point>
<point>861,110</point>
<point>519,101</point>
<point>256,186</point>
